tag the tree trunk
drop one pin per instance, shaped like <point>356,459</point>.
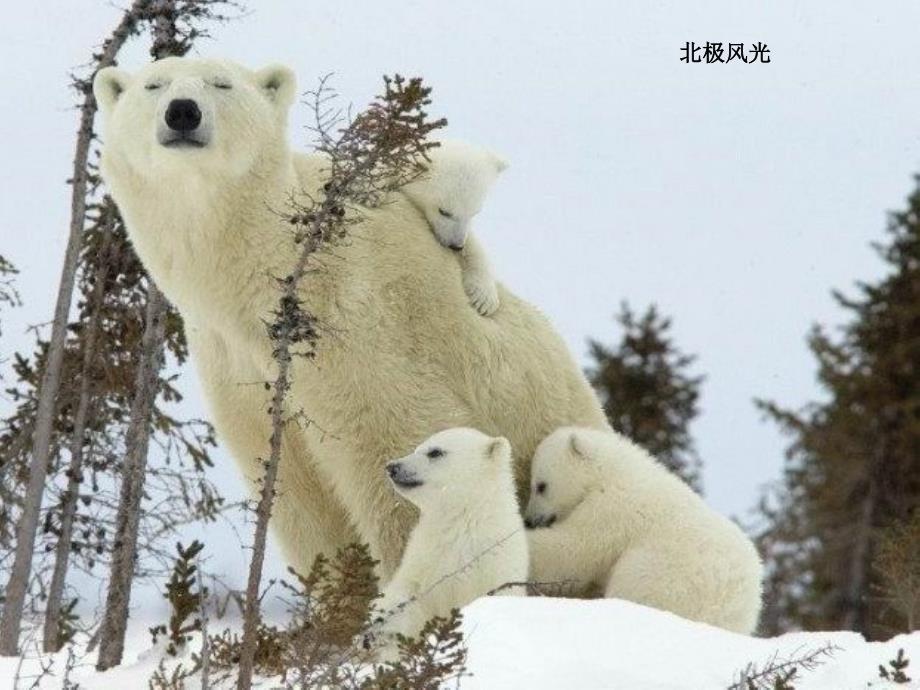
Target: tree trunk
<point>252,616</point>
<point>115,620</point>
<point>127,521</point>
<point>18,585</point>
<point>205,654</point>
<point>282,355</point>
<point>854,614</point>
<point>78,439</point>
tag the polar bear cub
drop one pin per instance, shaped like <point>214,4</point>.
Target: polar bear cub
<point>613,518</point>
<point>449,194</point>
<point>470,537</point>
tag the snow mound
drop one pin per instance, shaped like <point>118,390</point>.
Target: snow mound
<point>550,644</point>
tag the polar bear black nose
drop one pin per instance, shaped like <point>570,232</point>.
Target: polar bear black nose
<point>393,468</point>
<point>183,115</point>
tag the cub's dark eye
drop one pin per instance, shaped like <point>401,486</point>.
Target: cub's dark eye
<point>445,213</point>
<point>541,487</point>
<point>435,453</point>
<point>152,86</point>
<point>225,85</point>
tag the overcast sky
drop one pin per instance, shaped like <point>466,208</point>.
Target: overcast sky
<point>734,196</point>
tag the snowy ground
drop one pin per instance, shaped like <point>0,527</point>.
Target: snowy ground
<point>555,644</point>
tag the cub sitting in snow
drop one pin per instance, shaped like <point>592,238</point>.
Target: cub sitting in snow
<point>617,520</point>
<point>449,194</point>
<point>470,537</point>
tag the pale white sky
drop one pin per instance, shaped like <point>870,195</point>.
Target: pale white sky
<point>734,196</point>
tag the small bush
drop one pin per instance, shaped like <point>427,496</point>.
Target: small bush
<point>184,600</point>
<point>895,672</point>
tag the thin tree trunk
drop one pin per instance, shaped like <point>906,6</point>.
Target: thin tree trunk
<point>18,585</point>
<point>78,439</point>
<point>127,521</point>
<point>205,643</point>
<point>282,355</point>
<point>854,617</point>
<point>252,616</point>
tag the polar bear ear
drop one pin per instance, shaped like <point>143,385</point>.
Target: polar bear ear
<point>576,446</point>
<point>278,83</point>
<point>498,448</point>
<point>108,85</point>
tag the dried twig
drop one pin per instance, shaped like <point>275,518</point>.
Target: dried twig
<point>777,673</point>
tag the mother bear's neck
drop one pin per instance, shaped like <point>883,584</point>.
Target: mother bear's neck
<point>212,243</point>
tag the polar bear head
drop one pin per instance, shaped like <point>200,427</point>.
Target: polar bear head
<point>453,189</point>
<point>179,116</point>
<point>450,467</point>
<point>563,472</point>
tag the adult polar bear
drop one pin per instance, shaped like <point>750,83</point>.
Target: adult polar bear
<point>197,159</point>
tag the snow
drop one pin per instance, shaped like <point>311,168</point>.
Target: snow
<point>554,644</point>
<point>549,644</point>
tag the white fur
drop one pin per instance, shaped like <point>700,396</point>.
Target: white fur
<point>402,353</point>
<point>623,523</point>
<point>449,194</point>
<point>470,538</point>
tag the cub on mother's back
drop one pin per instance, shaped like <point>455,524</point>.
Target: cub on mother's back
<point>450,194</point>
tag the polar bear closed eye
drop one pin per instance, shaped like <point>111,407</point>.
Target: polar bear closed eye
<point>449,194</point>
<point>470,537</point>
<point>613,518</point>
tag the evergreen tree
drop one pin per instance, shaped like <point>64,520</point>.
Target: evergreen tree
<point>647,392</point>
<point>853,467</point>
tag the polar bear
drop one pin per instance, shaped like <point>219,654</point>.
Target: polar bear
<point>615,519</point>
<point>449,194</point>
<point>195,154</point>
<point>469,540</point>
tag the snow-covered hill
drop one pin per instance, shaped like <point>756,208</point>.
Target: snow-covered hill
<point>562,644</point>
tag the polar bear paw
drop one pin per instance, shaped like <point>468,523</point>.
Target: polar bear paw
<point>483,295</point>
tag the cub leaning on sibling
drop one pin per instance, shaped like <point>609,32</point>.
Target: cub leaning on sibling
<point>617,520</point>
<point>610,517</point>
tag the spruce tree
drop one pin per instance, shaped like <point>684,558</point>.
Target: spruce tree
<point>647,391</point>
<point>853,467</point>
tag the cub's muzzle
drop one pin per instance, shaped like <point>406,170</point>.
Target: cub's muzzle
<point>402,477</point>
<point>535,521</point>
